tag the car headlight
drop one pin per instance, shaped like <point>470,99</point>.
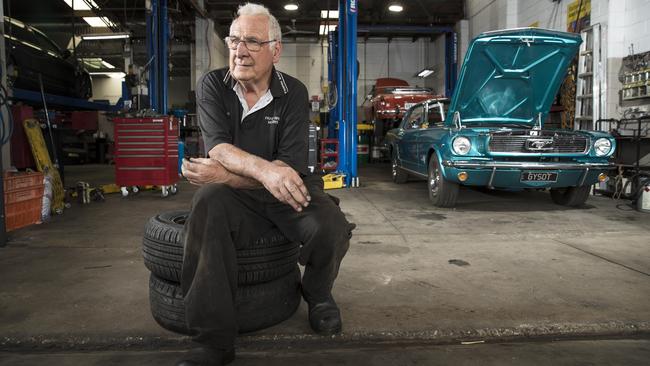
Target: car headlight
<point>602,146</point>
<point>461,145</point>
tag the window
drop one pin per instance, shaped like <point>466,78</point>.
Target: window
<point>416,118</point>
<point>20,33</point>
<point>46,44</point>
<point>436,113</point>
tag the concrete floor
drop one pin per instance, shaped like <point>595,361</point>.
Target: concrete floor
<point>567,353</point>
<point>500,267</point>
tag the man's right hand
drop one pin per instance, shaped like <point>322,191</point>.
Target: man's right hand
<point>285,184</point>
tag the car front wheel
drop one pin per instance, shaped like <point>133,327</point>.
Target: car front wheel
<point>399,176</point>
<point>442,192</point>
<point>83,86</point>
<point>570,196</point>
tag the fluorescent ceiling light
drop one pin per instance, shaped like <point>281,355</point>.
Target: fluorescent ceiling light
<point>323,31</point>
<point>99,22</point>
<point>112,74</point>
<point>96,63</point>
<point>396,8</point>
<point>107,65</point>
<point>291,7</point>
<point>95,37</point>
<point>92,62</point>
<point>81,4</point>
<point>424,73</point>
<point>333,14</point>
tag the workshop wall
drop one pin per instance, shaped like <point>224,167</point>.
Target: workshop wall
<point>178,94</point>
<point>308,62</point>
<point>435,56</point>
<point>107,88</point>
<point>208,52</point>
<point>305,63</point>
<point>486,15</point>
<point>401,58</point>
<point>629,25</point>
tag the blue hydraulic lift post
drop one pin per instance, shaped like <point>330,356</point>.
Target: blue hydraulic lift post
<point>163,35</point>
<point>152,21</point>
<point>451,62</point>
<point>351,83</point>
<point>331,69</point>
<point>340,88</point>
<point>157,38</point>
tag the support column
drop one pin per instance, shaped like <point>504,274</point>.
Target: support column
<point>342,97</point>
<point>157,39</point>
<point>163,65</point>
<point>152,26</point>
<point>332,78</point>
<point>451,62</point>
<point>351,83</point>
<point>346,81</point>
<point>5,160</point>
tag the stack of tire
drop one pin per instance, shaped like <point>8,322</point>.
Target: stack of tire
<point>268,276</point>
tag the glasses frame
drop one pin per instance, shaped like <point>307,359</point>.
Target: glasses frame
<point>246,42</point>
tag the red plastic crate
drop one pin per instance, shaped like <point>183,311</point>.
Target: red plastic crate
<point>146,151</point>
<point>24,213</point>
<point>14,181</point>
<point>23,199</point>
<point>23,194</point>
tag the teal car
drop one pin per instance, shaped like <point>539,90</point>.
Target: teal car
<point>490,134</point>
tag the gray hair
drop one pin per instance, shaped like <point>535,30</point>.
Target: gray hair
<point>256,9</point>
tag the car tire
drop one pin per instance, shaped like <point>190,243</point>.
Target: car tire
<point>442,193</point>
<point>12,71</point>
<point>571,196</point>
<point>258,306</point>
<point>378,127</point>
<point>267,258</point>
<point>399,176</point>
<point>82,86</point>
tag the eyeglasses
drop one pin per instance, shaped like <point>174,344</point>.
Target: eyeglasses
<point>251,44</point>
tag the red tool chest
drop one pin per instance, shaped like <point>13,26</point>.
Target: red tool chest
<point>146,153</point>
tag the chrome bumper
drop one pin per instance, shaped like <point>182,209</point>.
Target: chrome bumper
<point>525,165</point>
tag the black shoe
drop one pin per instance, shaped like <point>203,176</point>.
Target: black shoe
<point>325,317</point>
<point>211,357</point>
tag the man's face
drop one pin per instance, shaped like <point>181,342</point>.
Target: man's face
<point>246,65</point>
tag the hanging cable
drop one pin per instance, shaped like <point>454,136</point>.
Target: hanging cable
<point>6,130</point>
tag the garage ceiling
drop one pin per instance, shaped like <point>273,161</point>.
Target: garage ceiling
<point>371,12</point>
<point>56,18</point>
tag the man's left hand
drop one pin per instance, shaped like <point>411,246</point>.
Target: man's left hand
<point>200,171</point>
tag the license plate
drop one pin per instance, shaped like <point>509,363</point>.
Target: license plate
<point>539,176</point>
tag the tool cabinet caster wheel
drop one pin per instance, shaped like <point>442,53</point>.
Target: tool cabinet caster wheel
<point>125,192</point>
<point>164,191</point>
<point>135,189</point>
<point>173,189</point>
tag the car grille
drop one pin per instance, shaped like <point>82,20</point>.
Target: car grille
<point>546,143</point>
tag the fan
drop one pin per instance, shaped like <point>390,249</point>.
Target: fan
<point>293,31</point>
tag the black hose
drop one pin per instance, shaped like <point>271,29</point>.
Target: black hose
<point>5,133</point>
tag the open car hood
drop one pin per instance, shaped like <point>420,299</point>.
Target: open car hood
<point>511,76</point>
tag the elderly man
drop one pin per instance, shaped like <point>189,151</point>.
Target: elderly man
<point>255,127</point>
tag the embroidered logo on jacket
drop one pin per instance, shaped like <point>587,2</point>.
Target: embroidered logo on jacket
<point>272,120</point>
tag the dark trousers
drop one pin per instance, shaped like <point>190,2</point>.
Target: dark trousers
<point>224,219</point>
